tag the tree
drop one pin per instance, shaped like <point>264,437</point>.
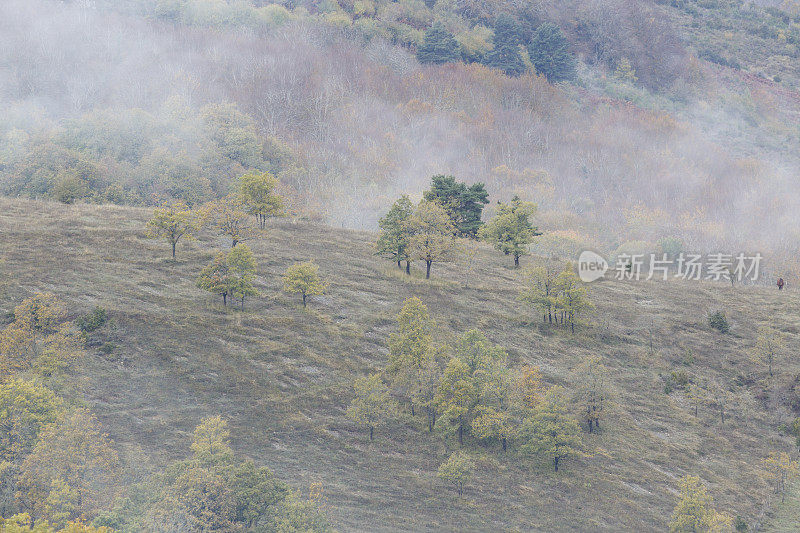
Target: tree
<point>572,297</point>
<point>80,458</point>
<point>768,348</point>
<point>475,388</point>
<point>456,396</point>
<point>23,523</point>
<point>372,407</point>
<point>241,272</point>
<point>304,278</point>
<point>393,241</point>
<point>694,512</point>
<point>458,469</point>
<point>39,338</point>
<point>782,469</point>
<point>550,432</point>
<point>506,55</point>
<point>550,55</point>
<point>539,290</point>
<point>431,235</point>
<point>216,277</point>
<point>257,190</point>
<point>230,216</point>
<point>592,389</point>
<point>26,407</point>
<point>439,46</point>
<point>212,439</point>
<point>412,367</point>
<point>511,231</point>
<point>464,205</point>
<point>172,221</point>
<point>528,391</point>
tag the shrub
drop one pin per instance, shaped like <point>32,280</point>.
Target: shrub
<point>718,321</point>
<point>93,321</point>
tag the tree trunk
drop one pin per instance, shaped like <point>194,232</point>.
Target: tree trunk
<point>555,462</point>
<point>516,261</point>
<point>412,409</point>
<point>242,303</point>
<point>304,299</point>
<point>173,249</point>
<point>234,242</point>
<point>505,444</point>
<point>399,264</point>
<point>371,429</point>
<point>589,422</point>
<point>428,270</point>
<point>597,423</point>
<point>461,434</point>
<point>408,267</point>
<point>225,299</point>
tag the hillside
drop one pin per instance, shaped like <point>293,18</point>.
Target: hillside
<point>282,375</point>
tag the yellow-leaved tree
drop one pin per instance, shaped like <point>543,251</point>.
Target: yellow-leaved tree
<point>72,471</point>
<point>431,235</point>
<point>173,221</point>
<point>304,278</point>
<point>694,512</point>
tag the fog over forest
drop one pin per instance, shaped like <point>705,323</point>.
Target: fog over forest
<point>349,123</point>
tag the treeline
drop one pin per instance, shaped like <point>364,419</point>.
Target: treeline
<point>508,36</point>
<point>59,471</point>
<point>130,156</point>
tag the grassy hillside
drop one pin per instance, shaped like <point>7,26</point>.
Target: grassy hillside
<point>282,376</point>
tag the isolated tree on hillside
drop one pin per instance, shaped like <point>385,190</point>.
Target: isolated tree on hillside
<point>215,278</point>
<point>173,221</point>
<point>506,55</point>
<point>372,406</point>
<point>768,348</point>
<point>539,290</point>
<point>549,52</point>
<point>592,390</point>
<point>230,217</point>
<point>511,231</point>
<point>304,278</point>
<point>257,190</point>
<point>694,512</point>
<point>393,241</point>
<point>550,431</point>
<point>241,272</point>
<point>439,46</point>
<point>573,299</point>
<point>458,469</point>
<point>431,235</point>
<point>463,204</point>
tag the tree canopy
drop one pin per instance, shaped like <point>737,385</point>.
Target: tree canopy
<point>463,204</point>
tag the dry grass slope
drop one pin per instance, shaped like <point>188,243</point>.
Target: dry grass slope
<point>282,375</point>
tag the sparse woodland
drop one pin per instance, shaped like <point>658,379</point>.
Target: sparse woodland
<point>309,266</point>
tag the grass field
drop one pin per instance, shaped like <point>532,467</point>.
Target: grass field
<point>282,375</point>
